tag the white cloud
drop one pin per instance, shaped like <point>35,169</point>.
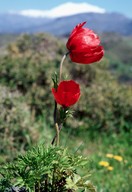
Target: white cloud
<point>63,10</point>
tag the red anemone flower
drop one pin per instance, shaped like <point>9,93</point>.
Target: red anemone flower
<point>67,93</point>
<point>84,45</point>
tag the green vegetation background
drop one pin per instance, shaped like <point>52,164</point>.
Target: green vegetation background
<point>102,120</point>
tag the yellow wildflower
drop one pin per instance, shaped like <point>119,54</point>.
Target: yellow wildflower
<point>104,163</point>
<point>110,168</point>
<point>109,155</point>
<point>118,158</point>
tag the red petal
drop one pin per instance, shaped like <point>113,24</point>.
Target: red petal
<point>86,58</point>
<point>78,27</point>
<point>74,32</point>
<point>69,98</point>
<point>67,93</point>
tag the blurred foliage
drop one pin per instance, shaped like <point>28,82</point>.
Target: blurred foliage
<point>28,68</point>
<point>5,39</point>
<point>15,124</point>
<point>118,50</point>
<point>105,105</point>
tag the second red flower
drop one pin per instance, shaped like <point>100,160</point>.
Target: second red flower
<point>67,93</point>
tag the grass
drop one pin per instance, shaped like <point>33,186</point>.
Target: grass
<point>118,179</point>
<point>97,149</point>
<point>118,145</point>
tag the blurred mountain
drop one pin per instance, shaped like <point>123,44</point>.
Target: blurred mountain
<point>62,26</point>
<point>15,23</point>
<point>65,9</point>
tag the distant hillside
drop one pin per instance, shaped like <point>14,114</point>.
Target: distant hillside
<point>13,23</point>
<point>106,22</point>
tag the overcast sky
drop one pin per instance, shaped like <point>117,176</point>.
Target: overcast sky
<point>122,6</point>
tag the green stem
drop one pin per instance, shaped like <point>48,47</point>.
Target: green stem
<point>61,64</point>
<point>57,134</point>
<point>55,113</point>
<point>55,108</point>
<point>55,120</point>
<point>60,127</point>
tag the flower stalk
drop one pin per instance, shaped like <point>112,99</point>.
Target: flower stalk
<point>57,134</point>
<point>61,64</point>
<point>84,47</point>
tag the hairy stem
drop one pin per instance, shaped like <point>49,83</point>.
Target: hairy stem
<point>60,127</point>
<point>57,134</point>
<point>61,64</point>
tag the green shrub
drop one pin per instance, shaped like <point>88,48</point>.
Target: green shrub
<point>47,169</point>
<point>15,123</point>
